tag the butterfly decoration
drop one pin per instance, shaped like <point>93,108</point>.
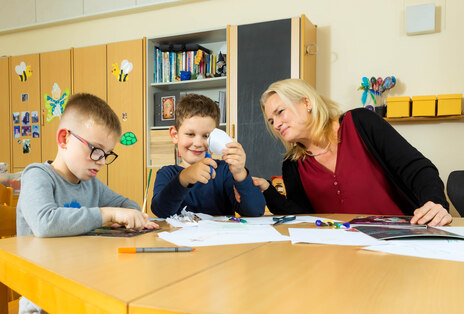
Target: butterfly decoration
<point>56,103</point>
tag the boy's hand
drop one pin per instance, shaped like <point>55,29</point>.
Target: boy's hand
<point>235,156</point>
<point>261,183</point>
<point>198,172</point>
<point>128,217</point>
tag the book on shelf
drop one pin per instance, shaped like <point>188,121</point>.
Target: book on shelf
<point>385,221</point>
<point>222,100</point>
<point>386,233</point>
<point>171,59</point>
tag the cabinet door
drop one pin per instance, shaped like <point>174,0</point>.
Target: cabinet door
<point>55,87</point>
<point>125,64</point>
<point>264,56</point>
<point>308,51</point>
<point>260,54</point>
<point>6,125</point>
<point>89,76</point>
<point>25,102</point>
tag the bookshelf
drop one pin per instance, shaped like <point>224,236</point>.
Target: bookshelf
<point>215,41</point>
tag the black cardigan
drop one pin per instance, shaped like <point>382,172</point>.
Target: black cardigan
<point>415,177</point>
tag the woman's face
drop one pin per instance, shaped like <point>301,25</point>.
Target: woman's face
<point>289,121</point>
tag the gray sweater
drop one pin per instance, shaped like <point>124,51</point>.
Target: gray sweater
<point>50,206</point>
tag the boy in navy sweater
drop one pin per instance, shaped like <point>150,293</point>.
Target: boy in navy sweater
<point>224,190</point>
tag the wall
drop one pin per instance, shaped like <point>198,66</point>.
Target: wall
<point>356,38</point>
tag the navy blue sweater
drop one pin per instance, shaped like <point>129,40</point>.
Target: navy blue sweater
<point>214,198</point>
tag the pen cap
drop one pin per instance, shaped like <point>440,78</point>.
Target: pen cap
<point>126,250</point>
<point>217,141</point>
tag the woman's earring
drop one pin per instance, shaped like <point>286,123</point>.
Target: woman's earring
<point>309,110</point>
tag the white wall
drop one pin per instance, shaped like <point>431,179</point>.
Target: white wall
<point>356,38</point>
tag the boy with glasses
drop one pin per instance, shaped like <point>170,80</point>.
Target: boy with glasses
<point>64,197</point>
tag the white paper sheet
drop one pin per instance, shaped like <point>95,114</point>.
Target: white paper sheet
<point>208,233</point>
<point>330,236</point>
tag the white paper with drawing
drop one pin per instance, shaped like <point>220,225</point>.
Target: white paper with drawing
<point>208,233</point>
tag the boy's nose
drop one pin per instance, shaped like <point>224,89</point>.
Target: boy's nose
<point>101,161</point>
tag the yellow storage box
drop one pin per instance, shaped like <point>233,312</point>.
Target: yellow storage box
<point>398,107</point>
<point>424,106</point>
<point>449,105</point>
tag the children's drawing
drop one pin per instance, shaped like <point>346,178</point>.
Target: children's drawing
<point>23,71</point>
<point>56,103</point>
<point>121,73</point>
<point>128,139</point>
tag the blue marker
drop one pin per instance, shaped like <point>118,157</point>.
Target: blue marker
<point>231,218</point>
<point>207,155</point>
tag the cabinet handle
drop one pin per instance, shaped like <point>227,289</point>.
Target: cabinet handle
<point>43,118</point>
<point>313,53</point>
<point>233,131</point>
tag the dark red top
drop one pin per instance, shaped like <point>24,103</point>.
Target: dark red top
<point>358,185</point>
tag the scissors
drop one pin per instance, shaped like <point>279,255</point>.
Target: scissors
<point>283,219</point>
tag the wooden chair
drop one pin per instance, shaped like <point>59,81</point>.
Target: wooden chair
<point>8,229</point>
<point>7,221</point>
<point>6,195</point>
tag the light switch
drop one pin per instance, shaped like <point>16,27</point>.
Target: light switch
<point>420,19</point>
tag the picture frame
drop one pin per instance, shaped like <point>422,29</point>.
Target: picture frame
<point>164,108</point>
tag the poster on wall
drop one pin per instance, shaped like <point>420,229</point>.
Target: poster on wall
<point>15,117</point>
<point>16,131</point>
<point>35,131</point>
<point>25,118</point>
<point>34,116</point>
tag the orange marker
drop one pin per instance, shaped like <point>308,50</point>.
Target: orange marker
<point>154,249</point>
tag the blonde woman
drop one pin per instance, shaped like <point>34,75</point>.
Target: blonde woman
<point>346,163</point>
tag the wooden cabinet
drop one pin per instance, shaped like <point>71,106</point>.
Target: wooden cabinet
<point>125,70</point>
<point>55,86</point>
<point>6,125</point>
<point>25,104</point>
<point>260,54</point>
<point>89,76</point>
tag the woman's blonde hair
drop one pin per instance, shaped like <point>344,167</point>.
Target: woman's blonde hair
<point>320,120</point>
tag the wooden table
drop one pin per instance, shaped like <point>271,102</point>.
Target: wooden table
<point>86,274</point>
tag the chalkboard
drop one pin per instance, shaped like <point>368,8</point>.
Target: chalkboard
<point>264,53</point>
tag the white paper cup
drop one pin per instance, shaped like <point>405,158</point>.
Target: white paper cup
<point>217,141</point>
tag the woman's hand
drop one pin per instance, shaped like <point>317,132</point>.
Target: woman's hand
<point>261,183</point>
<point>432,214</point>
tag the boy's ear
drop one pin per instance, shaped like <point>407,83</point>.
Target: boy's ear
<point>62,138</point>
<point>174,134</point>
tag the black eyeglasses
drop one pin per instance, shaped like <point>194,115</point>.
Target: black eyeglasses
<point>96,153</point>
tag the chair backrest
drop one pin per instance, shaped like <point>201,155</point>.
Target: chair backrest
<point>6,195</point>
<point>455,190</point>
<point>7,221</point>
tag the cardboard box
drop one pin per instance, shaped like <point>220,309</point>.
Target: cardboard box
<point>449,105</point>
<point>398,107</point>
<point>424,106</point>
